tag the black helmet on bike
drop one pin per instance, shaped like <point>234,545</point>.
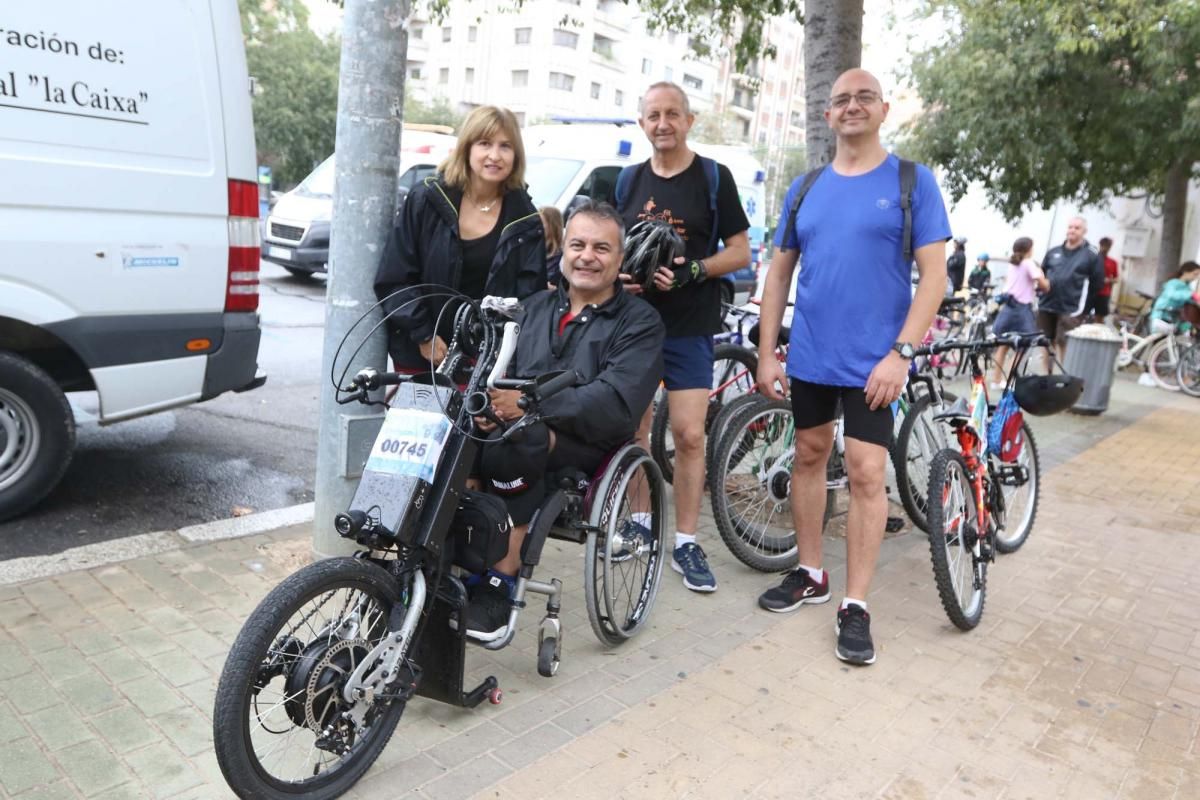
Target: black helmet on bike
<point>1043,395</point>
<point>650,244</point>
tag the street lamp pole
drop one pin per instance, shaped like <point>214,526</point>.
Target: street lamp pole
<point>369,122</point>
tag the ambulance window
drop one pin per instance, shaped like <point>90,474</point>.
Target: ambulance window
<point>601,183</point>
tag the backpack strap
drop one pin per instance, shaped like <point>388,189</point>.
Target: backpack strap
<point>625,179</point>
<point>712,176</point>
<point>908,181</point>
<point>809,179</point>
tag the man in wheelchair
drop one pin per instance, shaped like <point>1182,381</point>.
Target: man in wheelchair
<point>613,342</point>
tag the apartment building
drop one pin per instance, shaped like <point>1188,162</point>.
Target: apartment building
<point>551,58</point>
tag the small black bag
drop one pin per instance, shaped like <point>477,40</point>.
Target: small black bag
<point>480,531</point>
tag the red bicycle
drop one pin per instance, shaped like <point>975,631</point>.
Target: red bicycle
<point>983,496</point>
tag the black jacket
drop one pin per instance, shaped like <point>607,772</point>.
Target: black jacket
<point>1075,276</point>
<point>956,268</point>
<point>616,348</point>
<point>979,279</point>
<point>424,247</point>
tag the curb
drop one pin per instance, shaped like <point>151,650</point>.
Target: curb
<point>98,554</point>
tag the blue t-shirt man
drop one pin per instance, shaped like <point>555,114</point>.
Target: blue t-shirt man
<point>854,288</point>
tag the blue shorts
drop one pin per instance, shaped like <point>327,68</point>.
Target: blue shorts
<point>688,362</point>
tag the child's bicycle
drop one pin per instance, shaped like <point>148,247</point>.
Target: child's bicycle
<point>983,496</point>
<point>325,666</point>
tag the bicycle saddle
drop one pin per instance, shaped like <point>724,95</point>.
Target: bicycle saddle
<point>784,334</point>
<point>959,410</point>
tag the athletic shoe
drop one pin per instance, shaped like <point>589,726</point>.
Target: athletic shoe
<point>690,561</point>
<point>625,544</point>
<point>797,588</point>
<point>487,612</point>
<point>854,645</point>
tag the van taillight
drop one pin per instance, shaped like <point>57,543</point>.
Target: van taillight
<point>241,288</point>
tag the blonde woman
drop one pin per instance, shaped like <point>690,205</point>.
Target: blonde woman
<point>471,229</point>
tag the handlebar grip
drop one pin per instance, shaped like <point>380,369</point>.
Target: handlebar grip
<point>555,385</point>
<point>512,384</point>
<point>373,379</point>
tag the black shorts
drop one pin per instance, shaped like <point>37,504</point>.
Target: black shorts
<point>1057,326</point>
<point>815,404</point>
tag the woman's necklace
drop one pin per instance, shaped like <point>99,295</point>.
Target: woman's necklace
<point>485,208</point>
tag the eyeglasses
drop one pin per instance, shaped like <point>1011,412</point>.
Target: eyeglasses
<point>862,98</point>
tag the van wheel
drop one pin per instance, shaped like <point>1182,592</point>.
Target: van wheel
<point>37,434</point>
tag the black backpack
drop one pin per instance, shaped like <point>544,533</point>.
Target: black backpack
<point>908,181</point>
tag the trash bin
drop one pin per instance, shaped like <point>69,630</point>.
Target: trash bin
<point>1092,354</point>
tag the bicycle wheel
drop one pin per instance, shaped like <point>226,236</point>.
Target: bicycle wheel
<point>1187,373</point>
<point>953,534</point>
<point>720,424</point>
<point>1019,485</point>
<point>1164,363</point>
<point>751,486</point>
<point>623,563</point>
<point>920,438</point>
<point>279,724</point>
<point>733,376</point>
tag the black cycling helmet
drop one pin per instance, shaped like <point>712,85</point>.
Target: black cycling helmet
<point>650,244</point>
<point>1043,395</point>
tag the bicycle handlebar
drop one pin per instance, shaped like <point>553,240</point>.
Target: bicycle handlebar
<point>1019,341</point>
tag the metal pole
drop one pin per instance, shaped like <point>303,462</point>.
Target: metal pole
<point>369,121</point>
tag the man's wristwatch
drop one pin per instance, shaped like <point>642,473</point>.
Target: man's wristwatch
<point>906,350</point>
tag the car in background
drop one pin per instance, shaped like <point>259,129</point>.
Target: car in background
<point>296,234</point>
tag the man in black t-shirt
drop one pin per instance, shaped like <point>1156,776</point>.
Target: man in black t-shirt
<point>674,186</point>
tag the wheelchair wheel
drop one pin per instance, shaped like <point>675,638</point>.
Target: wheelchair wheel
<point>623,561</point>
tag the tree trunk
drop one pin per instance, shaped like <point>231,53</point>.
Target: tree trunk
<point>832,45</point>
<point>1173,218</point>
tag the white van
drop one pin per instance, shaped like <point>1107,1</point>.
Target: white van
<point>128,220</point>
<point>296,235</point>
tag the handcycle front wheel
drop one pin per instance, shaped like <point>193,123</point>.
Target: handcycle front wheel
<point>624,551</point>
<point>953,533</point>
<point>278,727</point>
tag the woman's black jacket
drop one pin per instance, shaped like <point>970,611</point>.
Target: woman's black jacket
<point>424,248</point>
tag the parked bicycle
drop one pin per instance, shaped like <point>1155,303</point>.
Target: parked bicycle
<point>983,496</point>
<point>325,666</point>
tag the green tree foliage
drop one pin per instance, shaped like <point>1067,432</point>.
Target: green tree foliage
<point>296,79</point>
<point>436,112</point>
<point>1043,100</point>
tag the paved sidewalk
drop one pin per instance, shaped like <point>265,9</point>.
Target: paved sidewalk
<point>1082,681</point>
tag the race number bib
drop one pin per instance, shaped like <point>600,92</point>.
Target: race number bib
<point>409,443</point>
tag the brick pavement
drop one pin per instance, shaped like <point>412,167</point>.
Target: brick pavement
<point>1082,681</point>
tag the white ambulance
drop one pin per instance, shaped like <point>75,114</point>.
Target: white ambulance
<point>128,220</point>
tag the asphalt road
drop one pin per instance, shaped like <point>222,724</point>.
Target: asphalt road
<point>250,452</point>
